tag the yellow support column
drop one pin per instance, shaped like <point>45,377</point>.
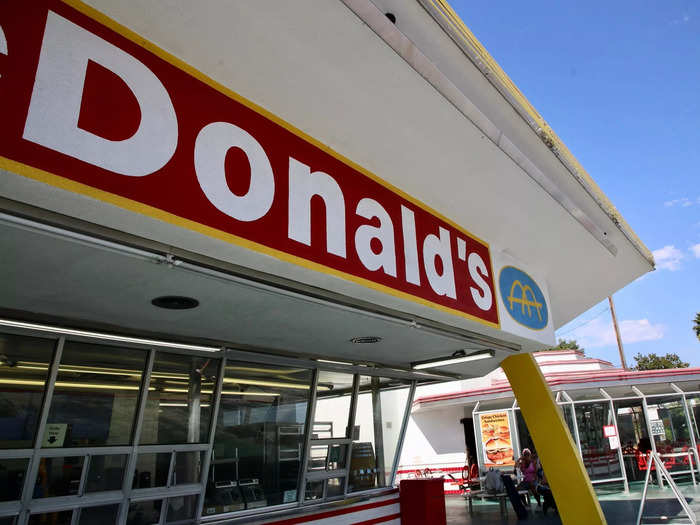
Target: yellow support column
<point>572,490</point>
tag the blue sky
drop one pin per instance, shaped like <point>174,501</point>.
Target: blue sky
<point>619,82</point>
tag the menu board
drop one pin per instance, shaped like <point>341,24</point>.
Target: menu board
<point>496,441</point>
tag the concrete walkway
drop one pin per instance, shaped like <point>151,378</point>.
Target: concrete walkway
<point>618,507</point>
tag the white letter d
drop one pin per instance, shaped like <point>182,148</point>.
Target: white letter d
<point>54,110</point>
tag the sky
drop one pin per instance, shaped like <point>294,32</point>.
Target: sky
<point>619,82</point>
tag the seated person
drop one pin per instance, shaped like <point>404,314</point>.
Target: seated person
<point>546,493</point>
<point>528,468</point>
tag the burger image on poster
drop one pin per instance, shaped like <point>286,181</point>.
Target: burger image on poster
<point>499,450</point>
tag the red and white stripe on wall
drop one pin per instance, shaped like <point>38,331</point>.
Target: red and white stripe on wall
<point>384,509</point>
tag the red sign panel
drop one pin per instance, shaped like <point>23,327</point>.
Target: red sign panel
<point>86,101</point>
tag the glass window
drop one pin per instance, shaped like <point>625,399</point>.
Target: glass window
<point>380,410</point>
<point>566,410</point>
<point>99,515</point>
<point>8,520</point>
<point>524,437</point>
<point>496,404</point>
<point>669,428</point>
<point>332,405</point>
<point>314,490</point>
<point>59,476</point>
<point>335,487</point>
<point>105,473</point>
<point>600,460</point>
<point>181,508</point>
<point>694,409</point>
<point>259,437</point>
<point>585,394</point>
<point>327,457</point>
<point>688,386</point>
<point>12,472</point>
<point>188,467</point>
<point>94,400</point>
<point>620,391</point>
<point>54,518</point>
<point>152,470</point>
<point>656,388</point>
<point>144,513</point>
<point>634,437</point>
<point>24,367</point>
<point>178,408</point>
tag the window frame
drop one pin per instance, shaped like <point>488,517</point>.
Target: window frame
<point>27,505</point>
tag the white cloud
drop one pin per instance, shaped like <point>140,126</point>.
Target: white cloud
<point>600,332</point>
<point>683,202</point>
<point>695,250</point>
<point>635,331</point>
<point>682,20</point>
<point>668,258</point>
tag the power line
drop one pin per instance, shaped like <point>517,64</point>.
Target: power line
<point>584,323</point>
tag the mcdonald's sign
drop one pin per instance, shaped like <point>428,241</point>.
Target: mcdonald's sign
<point>523,298</point>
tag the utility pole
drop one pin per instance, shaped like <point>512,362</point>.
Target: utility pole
<point>617,333</point>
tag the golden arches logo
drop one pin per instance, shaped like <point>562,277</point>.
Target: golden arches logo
<point>523,300</point>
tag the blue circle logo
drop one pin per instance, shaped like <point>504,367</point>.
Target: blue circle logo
<point>523,298</point>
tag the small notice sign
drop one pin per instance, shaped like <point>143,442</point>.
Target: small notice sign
<point>614,442</point>
<point>657,427</point>
<point>55,435</point>
<point>289,496</point>
<point>609,431</point>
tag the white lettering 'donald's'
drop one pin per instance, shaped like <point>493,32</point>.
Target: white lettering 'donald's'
<point>52,122</point>
<point>210,149</point>
<point>410,245</point>
<point>3,42</point>
<point>434,247</point>
<point>384,233</point>
<point>303,185</point>
<point>54,109</point>
<point>477,268</point>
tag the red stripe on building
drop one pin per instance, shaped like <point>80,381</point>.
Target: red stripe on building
<point>339,512</point>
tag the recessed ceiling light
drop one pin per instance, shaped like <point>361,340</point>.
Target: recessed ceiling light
<point>175,302</point>
<point>366,340</point>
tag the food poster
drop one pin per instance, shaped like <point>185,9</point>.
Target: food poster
<point>496,439</point>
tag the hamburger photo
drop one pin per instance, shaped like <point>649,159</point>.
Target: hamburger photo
<point>488,431</point>
<point>503,432</point>
<point>499,450</point>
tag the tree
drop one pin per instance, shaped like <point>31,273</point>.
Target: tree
<point>656,362</point>
<point>566,345</point>
<point>696,325</point>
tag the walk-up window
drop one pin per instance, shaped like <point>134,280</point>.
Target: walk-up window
<point>93,431</point>
<point>600,460</point>
<point>357,427</point>
<point>670,431</point>
<point>116,434</point>
<point>634,436</point>
<point>259,439</point>
<point>693,401</point>
<point>376,431</point>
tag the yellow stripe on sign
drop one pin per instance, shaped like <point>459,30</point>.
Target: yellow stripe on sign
<point>571,487</point>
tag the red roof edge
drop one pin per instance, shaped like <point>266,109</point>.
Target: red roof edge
<point>563,378</point>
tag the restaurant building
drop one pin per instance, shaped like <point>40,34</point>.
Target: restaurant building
<point>614,415</point>
<point>236,236</point>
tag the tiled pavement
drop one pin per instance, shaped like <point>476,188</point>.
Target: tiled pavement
<point>619,509</point>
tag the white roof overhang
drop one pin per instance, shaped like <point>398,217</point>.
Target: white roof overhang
<point>408,104</point>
